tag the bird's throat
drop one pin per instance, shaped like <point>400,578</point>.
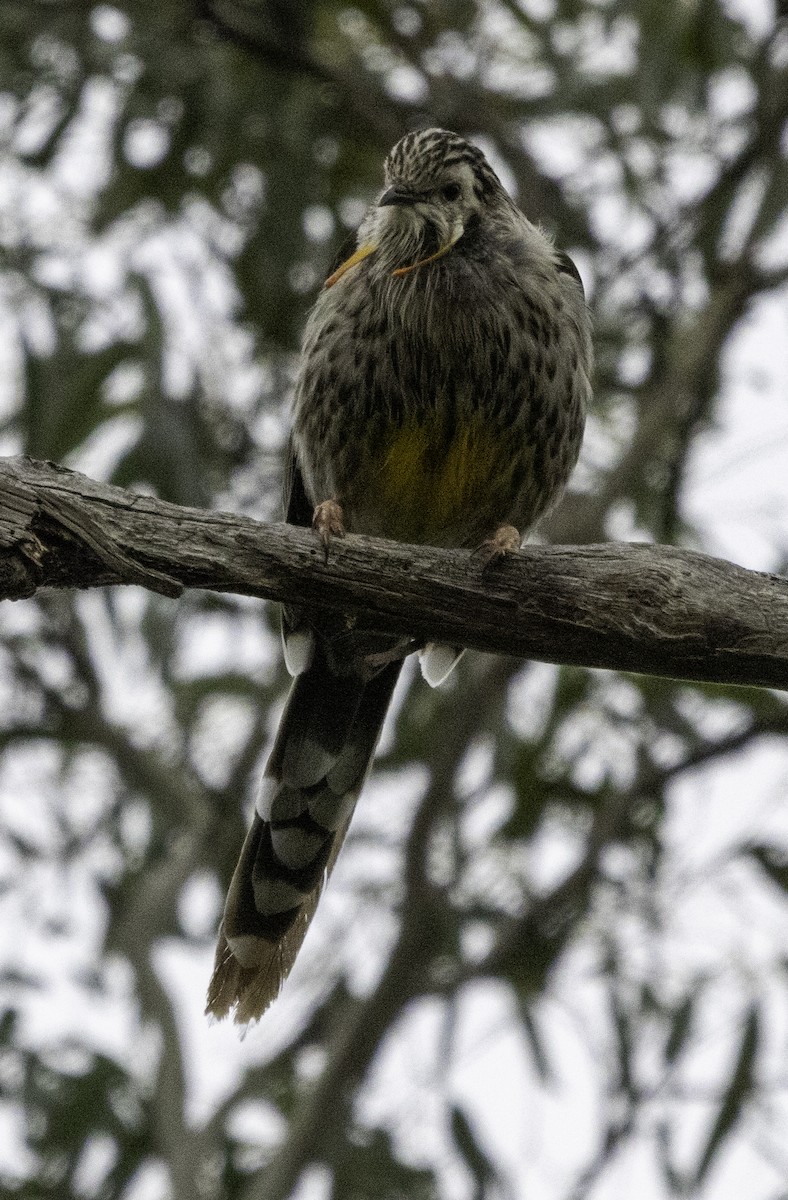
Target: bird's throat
<point>368,248</point>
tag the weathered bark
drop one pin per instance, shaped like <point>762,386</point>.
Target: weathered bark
<point>635,607</point>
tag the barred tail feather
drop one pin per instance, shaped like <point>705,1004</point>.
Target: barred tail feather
<point>251,985</point>
<point>316,771</point>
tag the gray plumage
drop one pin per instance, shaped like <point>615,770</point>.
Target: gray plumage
<point>442,394</point>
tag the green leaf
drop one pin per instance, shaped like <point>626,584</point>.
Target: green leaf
<point>370,1170</point>
<point>736,1095</point>
<point>622,1024</point>
<point>533,1036</point>
<point>773,860</point>
<point>473,1153</point>
<point>680,1026</point>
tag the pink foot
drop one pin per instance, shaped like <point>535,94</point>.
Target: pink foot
<point>328,522</point>
<point>505,540</point>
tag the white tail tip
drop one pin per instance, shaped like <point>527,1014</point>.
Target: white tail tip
<point>437,661</point>
<point>299,648</point>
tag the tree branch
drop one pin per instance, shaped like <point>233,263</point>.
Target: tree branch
<point>633,607</point>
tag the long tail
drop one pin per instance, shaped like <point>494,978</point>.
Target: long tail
<point>321,757</point>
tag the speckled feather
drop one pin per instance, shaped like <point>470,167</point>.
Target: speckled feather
<point>493,337</point>
<point>436,401</point>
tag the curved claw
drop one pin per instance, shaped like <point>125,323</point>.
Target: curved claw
<point>505,540</point>
<point>328,522</point>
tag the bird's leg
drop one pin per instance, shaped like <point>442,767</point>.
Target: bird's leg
<point>505,540</point>
<point>376,662</point>
<point>328,521</point>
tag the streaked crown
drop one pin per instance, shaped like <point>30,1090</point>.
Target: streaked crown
<point>425,155</point>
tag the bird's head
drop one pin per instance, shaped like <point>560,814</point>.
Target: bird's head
<point>437,188</point>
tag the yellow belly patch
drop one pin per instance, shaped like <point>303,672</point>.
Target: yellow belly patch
<point>429,490</point>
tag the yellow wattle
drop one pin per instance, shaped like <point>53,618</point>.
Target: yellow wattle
<point>457,231</point>
<point>356,257</point>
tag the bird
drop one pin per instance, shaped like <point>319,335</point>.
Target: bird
<point>444,378</point>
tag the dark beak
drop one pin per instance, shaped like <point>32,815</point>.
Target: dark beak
<point>397,195</point>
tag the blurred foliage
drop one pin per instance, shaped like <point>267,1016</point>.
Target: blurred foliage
<point>174,181</point>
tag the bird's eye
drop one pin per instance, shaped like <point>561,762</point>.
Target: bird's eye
<point>451,191</point>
